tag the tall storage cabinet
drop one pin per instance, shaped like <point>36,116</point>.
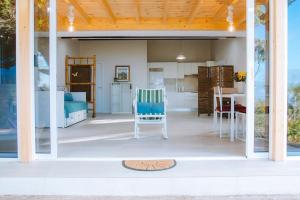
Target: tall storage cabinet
<point>121,97</point>
<point>210,77</point>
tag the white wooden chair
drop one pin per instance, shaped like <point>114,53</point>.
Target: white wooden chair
<point>240,113</point>
<point>220,109</point>
<point>150,108</point>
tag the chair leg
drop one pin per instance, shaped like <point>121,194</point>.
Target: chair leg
<point>221,124</point>
<point>165,130</point>
<point>236,125</point>
<point>136,131</point>
<point>229,122</point>
<point>244,127</point>
<point>215,119</point>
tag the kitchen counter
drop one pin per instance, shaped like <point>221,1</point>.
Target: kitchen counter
<point>182,101</point>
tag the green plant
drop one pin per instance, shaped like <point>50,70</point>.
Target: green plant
<point>294,115</point>
<point>7,18</point>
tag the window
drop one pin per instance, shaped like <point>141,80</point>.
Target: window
<point>261,140</point>
<point>8,108</point>
<point>293,139</point>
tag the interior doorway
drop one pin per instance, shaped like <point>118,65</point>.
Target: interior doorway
<point>116,41</point>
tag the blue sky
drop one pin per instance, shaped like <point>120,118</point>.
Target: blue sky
<point>294,42</point>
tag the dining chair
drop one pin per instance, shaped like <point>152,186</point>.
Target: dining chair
<point>220,109</point>
<point>240,113</point>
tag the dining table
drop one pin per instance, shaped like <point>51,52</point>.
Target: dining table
<point>233,96</point>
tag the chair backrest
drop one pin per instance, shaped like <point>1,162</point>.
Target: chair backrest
<point>150,95</point>
<point>150,102</point>
<point>229,90</point>
<point>218,91</point>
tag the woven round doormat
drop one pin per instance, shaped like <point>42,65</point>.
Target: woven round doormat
<point>149,165</point>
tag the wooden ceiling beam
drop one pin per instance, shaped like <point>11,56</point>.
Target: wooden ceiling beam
<point>165,11</point>
<point>194,11</point>
<point>79,9</point>
<point>138,11</point>
<point>242,21</point>
<point>224,8</point>
<point>108,9</point>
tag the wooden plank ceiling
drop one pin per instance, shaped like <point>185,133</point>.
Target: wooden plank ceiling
<point>150,14</point>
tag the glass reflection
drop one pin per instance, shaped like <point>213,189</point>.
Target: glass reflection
<point>41,76</point>
<point>293,139</point>
<point>8,108</point>
<point>261,141</point>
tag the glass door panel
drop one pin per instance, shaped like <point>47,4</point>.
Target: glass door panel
<point>8,108</point>
<point>293,146</point>
<point>42,77</point>
<point>261,77</point>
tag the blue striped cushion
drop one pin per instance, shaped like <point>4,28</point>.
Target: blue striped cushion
<point>150,108</point>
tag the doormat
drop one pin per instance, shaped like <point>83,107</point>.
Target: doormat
<point>149,165</point>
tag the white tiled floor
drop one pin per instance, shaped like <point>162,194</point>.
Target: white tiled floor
<point>111,136</point>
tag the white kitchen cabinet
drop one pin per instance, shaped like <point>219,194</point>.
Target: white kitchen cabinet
<point>180,70</point>
<point>170,69</point>
<point>194,68</point>
<point>187,68</point>
<point>175,101</point>
<point>191,100</point>
<point>182,101</point>
<point>154,65</point>
<point>121,97</point>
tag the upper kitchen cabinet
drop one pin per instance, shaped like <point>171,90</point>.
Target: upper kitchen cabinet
<point>187,68</point>
<point>194,67</point>
<point>170,69</point>
<point>154,65</point>
<point>180,70</point>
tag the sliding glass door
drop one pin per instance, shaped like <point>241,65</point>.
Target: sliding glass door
<point>261,77</point>
<point>293,146</point>
<point>44,77</point>
<point>8,108</point>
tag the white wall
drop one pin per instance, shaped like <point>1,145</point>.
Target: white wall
<point>167,50</point>
<point>110,53</point>
<point>65,47</point>
<point>230,52</point>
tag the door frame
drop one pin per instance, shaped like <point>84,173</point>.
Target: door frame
<point>250,38</point>
<point>53,84</point>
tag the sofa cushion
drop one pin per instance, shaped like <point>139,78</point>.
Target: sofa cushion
<point>74,106</point>
<point>68,96</point>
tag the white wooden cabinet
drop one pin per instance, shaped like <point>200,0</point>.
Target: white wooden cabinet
<point>121,97</point>
<point>194,68</point>
<point>170,69</point>
<point>191,100</point>
<point>187,68</point>
<point>177,70</point>
<point>180,70</point>
<point>182,101</point>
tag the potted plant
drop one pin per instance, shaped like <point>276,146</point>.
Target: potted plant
<point>240,79</point>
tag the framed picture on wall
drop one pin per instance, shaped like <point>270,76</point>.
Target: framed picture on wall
<point>122,73</point>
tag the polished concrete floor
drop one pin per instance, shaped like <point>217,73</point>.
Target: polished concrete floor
<point>111,136</point>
